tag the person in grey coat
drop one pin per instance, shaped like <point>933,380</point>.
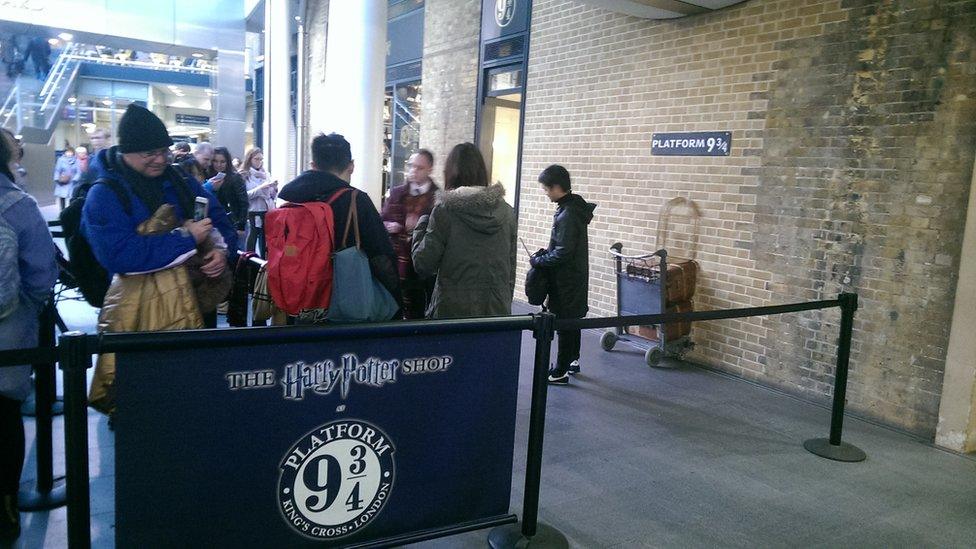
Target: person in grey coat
<point>468,241</point>
<point>26,253</point>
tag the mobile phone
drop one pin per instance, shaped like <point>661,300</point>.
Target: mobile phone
<point>200,205</point>
<point>219,176</point>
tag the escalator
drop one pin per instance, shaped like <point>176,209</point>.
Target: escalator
<point>31,107</point>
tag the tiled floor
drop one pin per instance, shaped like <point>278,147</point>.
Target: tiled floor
<point>681,457</point>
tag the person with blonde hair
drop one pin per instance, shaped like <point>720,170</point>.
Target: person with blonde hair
<point>261,193</point>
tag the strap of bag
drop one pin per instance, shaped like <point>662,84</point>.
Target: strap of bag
<point>352,219</point>
<point>119,191</point>
<point>694,215</point>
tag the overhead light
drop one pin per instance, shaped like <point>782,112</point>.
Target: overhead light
<point>52,41</point>
<point>198,55</point>
<point>66,36</point>
<point>107,102</point>
<point>72,99</point>
<point>298,18</point>
<point>172,87</point>
<point>18,136</point>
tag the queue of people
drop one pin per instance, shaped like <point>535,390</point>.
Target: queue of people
<point>165,227</point>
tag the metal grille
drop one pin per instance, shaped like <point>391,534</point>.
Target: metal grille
<point>502,49</point>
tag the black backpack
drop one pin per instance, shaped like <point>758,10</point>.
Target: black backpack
<point>91,278</point>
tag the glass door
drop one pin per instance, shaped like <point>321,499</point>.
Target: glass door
<point>500,131</point>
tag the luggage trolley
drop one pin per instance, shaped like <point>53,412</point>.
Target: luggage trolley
<point>642,290</point>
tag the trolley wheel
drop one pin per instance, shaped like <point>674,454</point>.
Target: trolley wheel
<point>608,340</point>
<point>653,356</point>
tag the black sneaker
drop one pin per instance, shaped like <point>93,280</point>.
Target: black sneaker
<point>555,378</point>
<point>574,368</point>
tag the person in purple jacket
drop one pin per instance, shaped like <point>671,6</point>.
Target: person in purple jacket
<point>26,253</point>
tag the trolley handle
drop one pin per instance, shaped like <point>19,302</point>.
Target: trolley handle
<point>617,248</point>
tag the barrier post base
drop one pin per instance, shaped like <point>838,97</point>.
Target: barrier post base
<point>30,499</point>
<point>841,452</point>
<point>510,536</point>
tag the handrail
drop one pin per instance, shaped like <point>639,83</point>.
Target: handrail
<point>403,107</point>
<point>614,250</point>
<point>58,70</point>
<point>60,100</point>
<point>141,64</point>
<point>8,106</point>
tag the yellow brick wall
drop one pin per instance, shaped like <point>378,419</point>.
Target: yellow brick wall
<point>853,140</point>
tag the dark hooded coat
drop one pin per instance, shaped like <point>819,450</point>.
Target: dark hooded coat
<point>567,260</point>
<point>470,244</point>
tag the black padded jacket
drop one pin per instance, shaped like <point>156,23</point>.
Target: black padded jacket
<point>568,259</point>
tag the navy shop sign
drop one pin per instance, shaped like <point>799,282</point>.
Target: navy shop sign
<point>691,144</point>
<point>303,444</point>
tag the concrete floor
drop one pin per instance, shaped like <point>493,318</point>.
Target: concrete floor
<point>680,457</point>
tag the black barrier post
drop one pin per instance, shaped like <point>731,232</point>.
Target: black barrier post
<point>75,361</point>
<point>48,320</point>
<point>44,494</point>
<point>833,448</point>
<point>532,533</point>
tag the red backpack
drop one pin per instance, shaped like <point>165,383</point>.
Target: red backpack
<point>300,240</point>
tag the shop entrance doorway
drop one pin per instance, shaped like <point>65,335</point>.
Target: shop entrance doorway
<point>500,127</point>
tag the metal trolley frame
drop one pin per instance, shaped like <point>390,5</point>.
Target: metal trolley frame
<point>638,295</point>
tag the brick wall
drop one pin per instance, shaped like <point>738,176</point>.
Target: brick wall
<point>450,76</point>
<point>854,132</point>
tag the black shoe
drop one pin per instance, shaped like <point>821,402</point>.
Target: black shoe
<point>555,378</point>
<point>9,518</point>
<point>574,368</point>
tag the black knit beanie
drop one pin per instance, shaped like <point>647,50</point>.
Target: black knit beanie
<point>140,130</point>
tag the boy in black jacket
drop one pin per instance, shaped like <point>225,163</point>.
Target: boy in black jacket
<point>568,261</point>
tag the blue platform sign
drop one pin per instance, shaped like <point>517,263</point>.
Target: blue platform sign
<point>295,445</point>
<point>691,144</point>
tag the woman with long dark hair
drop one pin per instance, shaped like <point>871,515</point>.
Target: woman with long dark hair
<point>468,242</point>
<point>228,186</point>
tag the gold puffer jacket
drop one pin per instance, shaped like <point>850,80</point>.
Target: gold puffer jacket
<point>152,302</point>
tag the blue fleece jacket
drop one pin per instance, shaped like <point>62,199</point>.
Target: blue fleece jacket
<point>111,232</point>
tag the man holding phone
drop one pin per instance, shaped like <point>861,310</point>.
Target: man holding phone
<point>140,164</point>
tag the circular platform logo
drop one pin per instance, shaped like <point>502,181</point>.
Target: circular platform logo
<point>336,479</point>
<point>504,12</point>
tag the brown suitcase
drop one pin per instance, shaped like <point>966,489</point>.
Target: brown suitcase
<point>682,277</point>
<point>673,330</point>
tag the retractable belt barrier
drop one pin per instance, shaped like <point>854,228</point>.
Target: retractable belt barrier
<point>353,435</point>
